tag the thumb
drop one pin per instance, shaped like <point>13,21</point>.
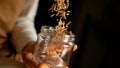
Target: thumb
<point>30,60</point>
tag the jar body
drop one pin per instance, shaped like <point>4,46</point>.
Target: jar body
<point>54,56</point>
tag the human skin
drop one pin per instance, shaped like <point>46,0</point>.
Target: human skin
<point>30,60</point>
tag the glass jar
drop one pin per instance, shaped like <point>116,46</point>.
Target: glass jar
<point>42,43</point>
<point>54,56</point>
<point>68,44</point>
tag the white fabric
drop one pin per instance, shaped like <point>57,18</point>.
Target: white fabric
<point>24,30</point>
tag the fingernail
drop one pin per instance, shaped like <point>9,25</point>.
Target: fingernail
<point>29,55</point>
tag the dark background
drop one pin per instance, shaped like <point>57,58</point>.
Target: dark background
<point>95,24</point>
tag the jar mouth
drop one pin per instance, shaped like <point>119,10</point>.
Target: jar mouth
<point>68,37</point>
<point>46,28</point>
<point>69,34</point>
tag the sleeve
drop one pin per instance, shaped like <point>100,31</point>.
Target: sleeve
<point>24,31</point>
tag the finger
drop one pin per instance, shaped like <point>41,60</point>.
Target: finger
<point>26,62</point>
<point>30,60</point>
<point>75,47</point>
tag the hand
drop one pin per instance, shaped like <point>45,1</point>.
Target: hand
<point>30,60</point>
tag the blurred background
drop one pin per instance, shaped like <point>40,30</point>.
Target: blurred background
<point>95,24</point>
